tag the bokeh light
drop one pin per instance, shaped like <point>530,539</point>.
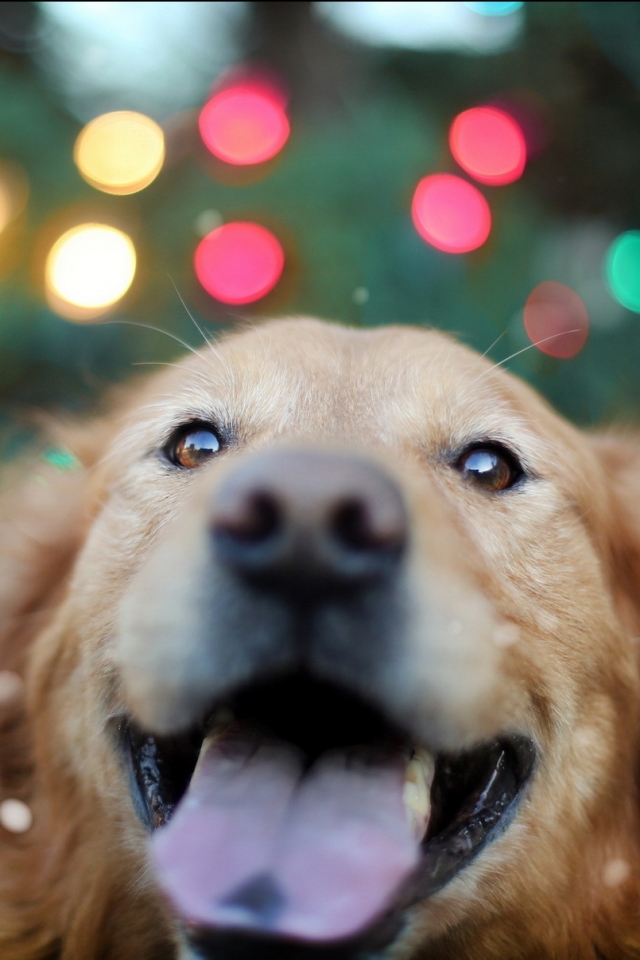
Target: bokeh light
<point>245,123</point>
<point>450,213</point>
<point>239,262</point>
<point>120,152</point>
<point>15,816</point>
<point>489,145</point>
<point>155,57</point>
<point>6,203</point>
<point>207,221</point>
<point>622,269</point>
<point>89,267</point>
<point>556,320</point>
<point>61,458</point>
<point>494,8</point>
<point>531,114</point>
<point>14,191</point>
<point>424,26</point>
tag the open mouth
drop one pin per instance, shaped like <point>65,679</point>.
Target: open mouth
<point>299,812</point>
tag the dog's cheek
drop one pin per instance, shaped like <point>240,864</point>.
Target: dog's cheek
<point>453,674</point>
<point>157,642</point>
<point>540,565</point>
<point>450,674</point>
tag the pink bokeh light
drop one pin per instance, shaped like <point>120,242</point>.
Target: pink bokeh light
<point>450,213</point>
<point>556,320</point>
<point>239,262</point>
<point>489,145</point>
<point>245,123</point>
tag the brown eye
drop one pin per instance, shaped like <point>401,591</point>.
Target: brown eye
<point>194,447</point>
<point>490,468</point>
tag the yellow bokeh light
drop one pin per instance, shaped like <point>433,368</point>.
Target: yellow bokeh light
<point>13,192</point>
<point>120,152</point>
<point>6,206</point>
<point>88,269</point>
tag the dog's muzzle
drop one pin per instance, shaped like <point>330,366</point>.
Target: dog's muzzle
<point>300,807</point>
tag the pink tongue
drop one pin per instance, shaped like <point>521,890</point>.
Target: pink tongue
<point>255,844</point>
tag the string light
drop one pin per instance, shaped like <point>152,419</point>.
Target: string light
<point>622,269</point>
<point>556,320</point>
<point>450,213</point>
<point>121,152</point>
<point>494,8</point>
<point>245,123</point>
<point>14,191</point>
<point>89,267</point>
<point>15,816</point>
<point>239,262</point>
<point>489,145</point>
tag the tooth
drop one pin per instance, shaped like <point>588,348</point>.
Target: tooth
<point>221,721</point>
<point>417,791</point>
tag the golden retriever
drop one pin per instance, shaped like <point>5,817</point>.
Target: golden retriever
<point>322,645</point>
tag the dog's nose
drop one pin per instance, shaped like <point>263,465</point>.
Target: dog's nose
<point>299,519</point>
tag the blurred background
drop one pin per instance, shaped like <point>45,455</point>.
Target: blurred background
<point>470,166</point>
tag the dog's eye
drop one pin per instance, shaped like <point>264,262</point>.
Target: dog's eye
<point>490,467</point>
<point>193,446</point>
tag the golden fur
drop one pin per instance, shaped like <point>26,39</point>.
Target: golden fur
<point>544,588</point>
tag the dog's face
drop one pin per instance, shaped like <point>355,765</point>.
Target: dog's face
<point>342,667</point>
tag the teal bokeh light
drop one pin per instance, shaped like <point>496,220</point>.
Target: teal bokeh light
<point>622,269</point>
<point>495,9</point>
<point>61,458</point>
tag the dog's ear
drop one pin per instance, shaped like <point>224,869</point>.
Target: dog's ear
<point>620,460</point>
<point>47,500</point>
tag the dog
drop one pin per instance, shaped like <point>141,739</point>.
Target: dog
<point>322,645</point>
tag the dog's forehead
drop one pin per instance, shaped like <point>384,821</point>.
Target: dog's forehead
<point>399,381</point>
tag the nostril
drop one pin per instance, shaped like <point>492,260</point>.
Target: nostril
<point>355,524</point>
<point>252,519</point>
<point>305,522</point>
<point>351,526</point>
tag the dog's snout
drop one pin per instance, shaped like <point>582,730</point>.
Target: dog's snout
<point>309,518</point>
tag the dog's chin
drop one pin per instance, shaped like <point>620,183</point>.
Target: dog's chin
<point>298,821</point>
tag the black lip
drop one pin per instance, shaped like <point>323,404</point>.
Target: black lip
<point>475,795</point>
<point>213,945</point>
<point>158,769</point>
<point>504,768</point>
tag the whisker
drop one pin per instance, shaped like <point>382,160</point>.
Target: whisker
<point>148,326</point>
<point>535,343</point>
<point>208,340</point>
<point>172,336</point>
<point>497,340</point>
<point>188,312</point>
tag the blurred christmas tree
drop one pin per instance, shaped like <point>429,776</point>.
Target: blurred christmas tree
<point>368,121</point>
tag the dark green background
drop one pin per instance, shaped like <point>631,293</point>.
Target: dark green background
<point>366,125</point>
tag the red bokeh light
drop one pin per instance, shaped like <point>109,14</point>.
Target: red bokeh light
<point>450,213</point>
<point>239,262</point>
<point>556,320</point>
<point>530,117</point>
<point>489,145</point>
<point>245,123</point>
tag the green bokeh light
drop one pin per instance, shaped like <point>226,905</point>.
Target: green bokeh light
<point>622,269</point>
<point>61,458</point>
